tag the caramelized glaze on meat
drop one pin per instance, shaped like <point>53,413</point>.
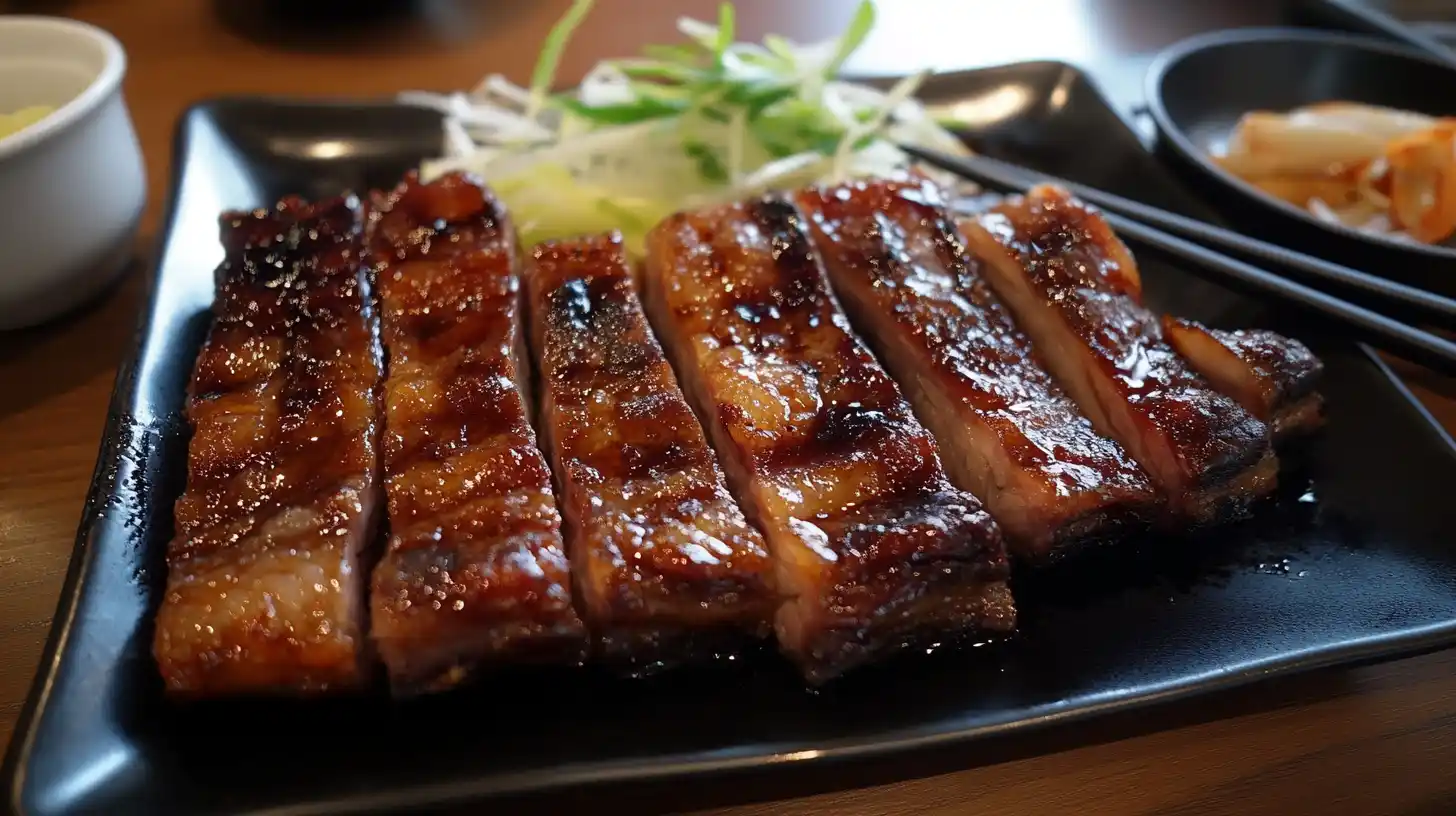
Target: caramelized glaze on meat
<point>265,581</point>
<point>662,556</point>
<point>475,570</point>
<point>1272,376</point>
<point>1074,288</point>
<point>868,536</point>
<point>1007,432</point>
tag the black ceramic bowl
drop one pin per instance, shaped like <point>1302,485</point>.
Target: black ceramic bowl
<point>1198,89</point>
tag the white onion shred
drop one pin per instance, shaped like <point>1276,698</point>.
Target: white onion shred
<point>705,121</point>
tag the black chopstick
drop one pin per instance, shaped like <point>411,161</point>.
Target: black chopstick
<point>1374,292</point>
<point>1379,330</point>
<point>1382,331</point>
<point>1358,16</point>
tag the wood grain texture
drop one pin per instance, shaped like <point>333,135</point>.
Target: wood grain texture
<point>1379,740</point>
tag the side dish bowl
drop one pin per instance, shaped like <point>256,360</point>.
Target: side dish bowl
<point>1198,89</point>
<point>73,181</point>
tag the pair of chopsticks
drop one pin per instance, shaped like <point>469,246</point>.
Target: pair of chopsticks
<point>1190,241</point>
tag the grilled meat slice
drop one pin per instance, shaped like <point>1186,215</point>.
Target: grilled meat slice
<point>870,541</point>
<point>1074,289</point>
<point>1007,432</point>
<point>475,570</point>
<point>265,589</point>
<point>664,561</point>
<point>1272,376</point>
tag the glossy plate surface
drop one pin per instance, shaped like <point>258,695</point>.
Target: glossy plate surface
<point>1198,89</point>
<point>1352,563</point>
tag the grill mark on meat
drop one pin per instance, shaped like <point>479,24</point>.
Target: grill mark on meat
<point>867,535</point>
<point>475,572</point>
<point>597,306</point>
<point>666,566</point>
<point>264,588</point>
<point>1007,432</point>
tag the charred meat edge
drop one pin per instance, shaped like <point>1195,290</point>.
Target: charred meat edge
<point>1007,432</point>
<point>1272,376</point>
<point>1208,456</point>
<point>919,581</point>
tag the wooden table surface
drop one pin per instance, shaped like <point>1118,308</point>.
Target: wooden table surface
<point>1367,741</point>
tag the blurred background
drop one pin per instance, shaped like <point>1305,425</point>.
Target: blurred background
<point>1113,39</point>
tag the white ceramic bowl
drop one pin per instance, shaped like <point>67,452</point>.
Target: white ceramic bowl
<point>72,185</point>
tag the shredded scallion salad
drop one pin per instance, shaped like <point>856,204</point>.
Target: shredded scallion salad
<point>704,121</point>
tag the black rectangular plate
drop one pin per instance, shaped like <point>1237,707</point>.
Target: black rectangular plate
<point>1352,563</point>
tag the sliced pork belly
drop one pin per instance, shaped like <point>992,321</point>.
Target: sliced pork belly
<point>475,571</point>
<point>1272,376</point>
<point>870,541</point>
<point>1007,432</point>
<point>664,561</point>
<point>265,588</point>
<point>1074,289</point>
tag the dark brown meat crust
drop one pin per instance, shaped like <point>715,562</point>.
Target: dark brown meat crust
<point>475,571</point>
<point>660,552</point>
<point>1007,432</point>
<point>866,532</point>
<point>1202,449</point>
<point>1272,376</point>
<point>265,575</point>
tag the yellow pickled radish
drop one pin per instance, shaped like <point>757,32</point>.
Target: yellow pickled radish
<point>11,123</point>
